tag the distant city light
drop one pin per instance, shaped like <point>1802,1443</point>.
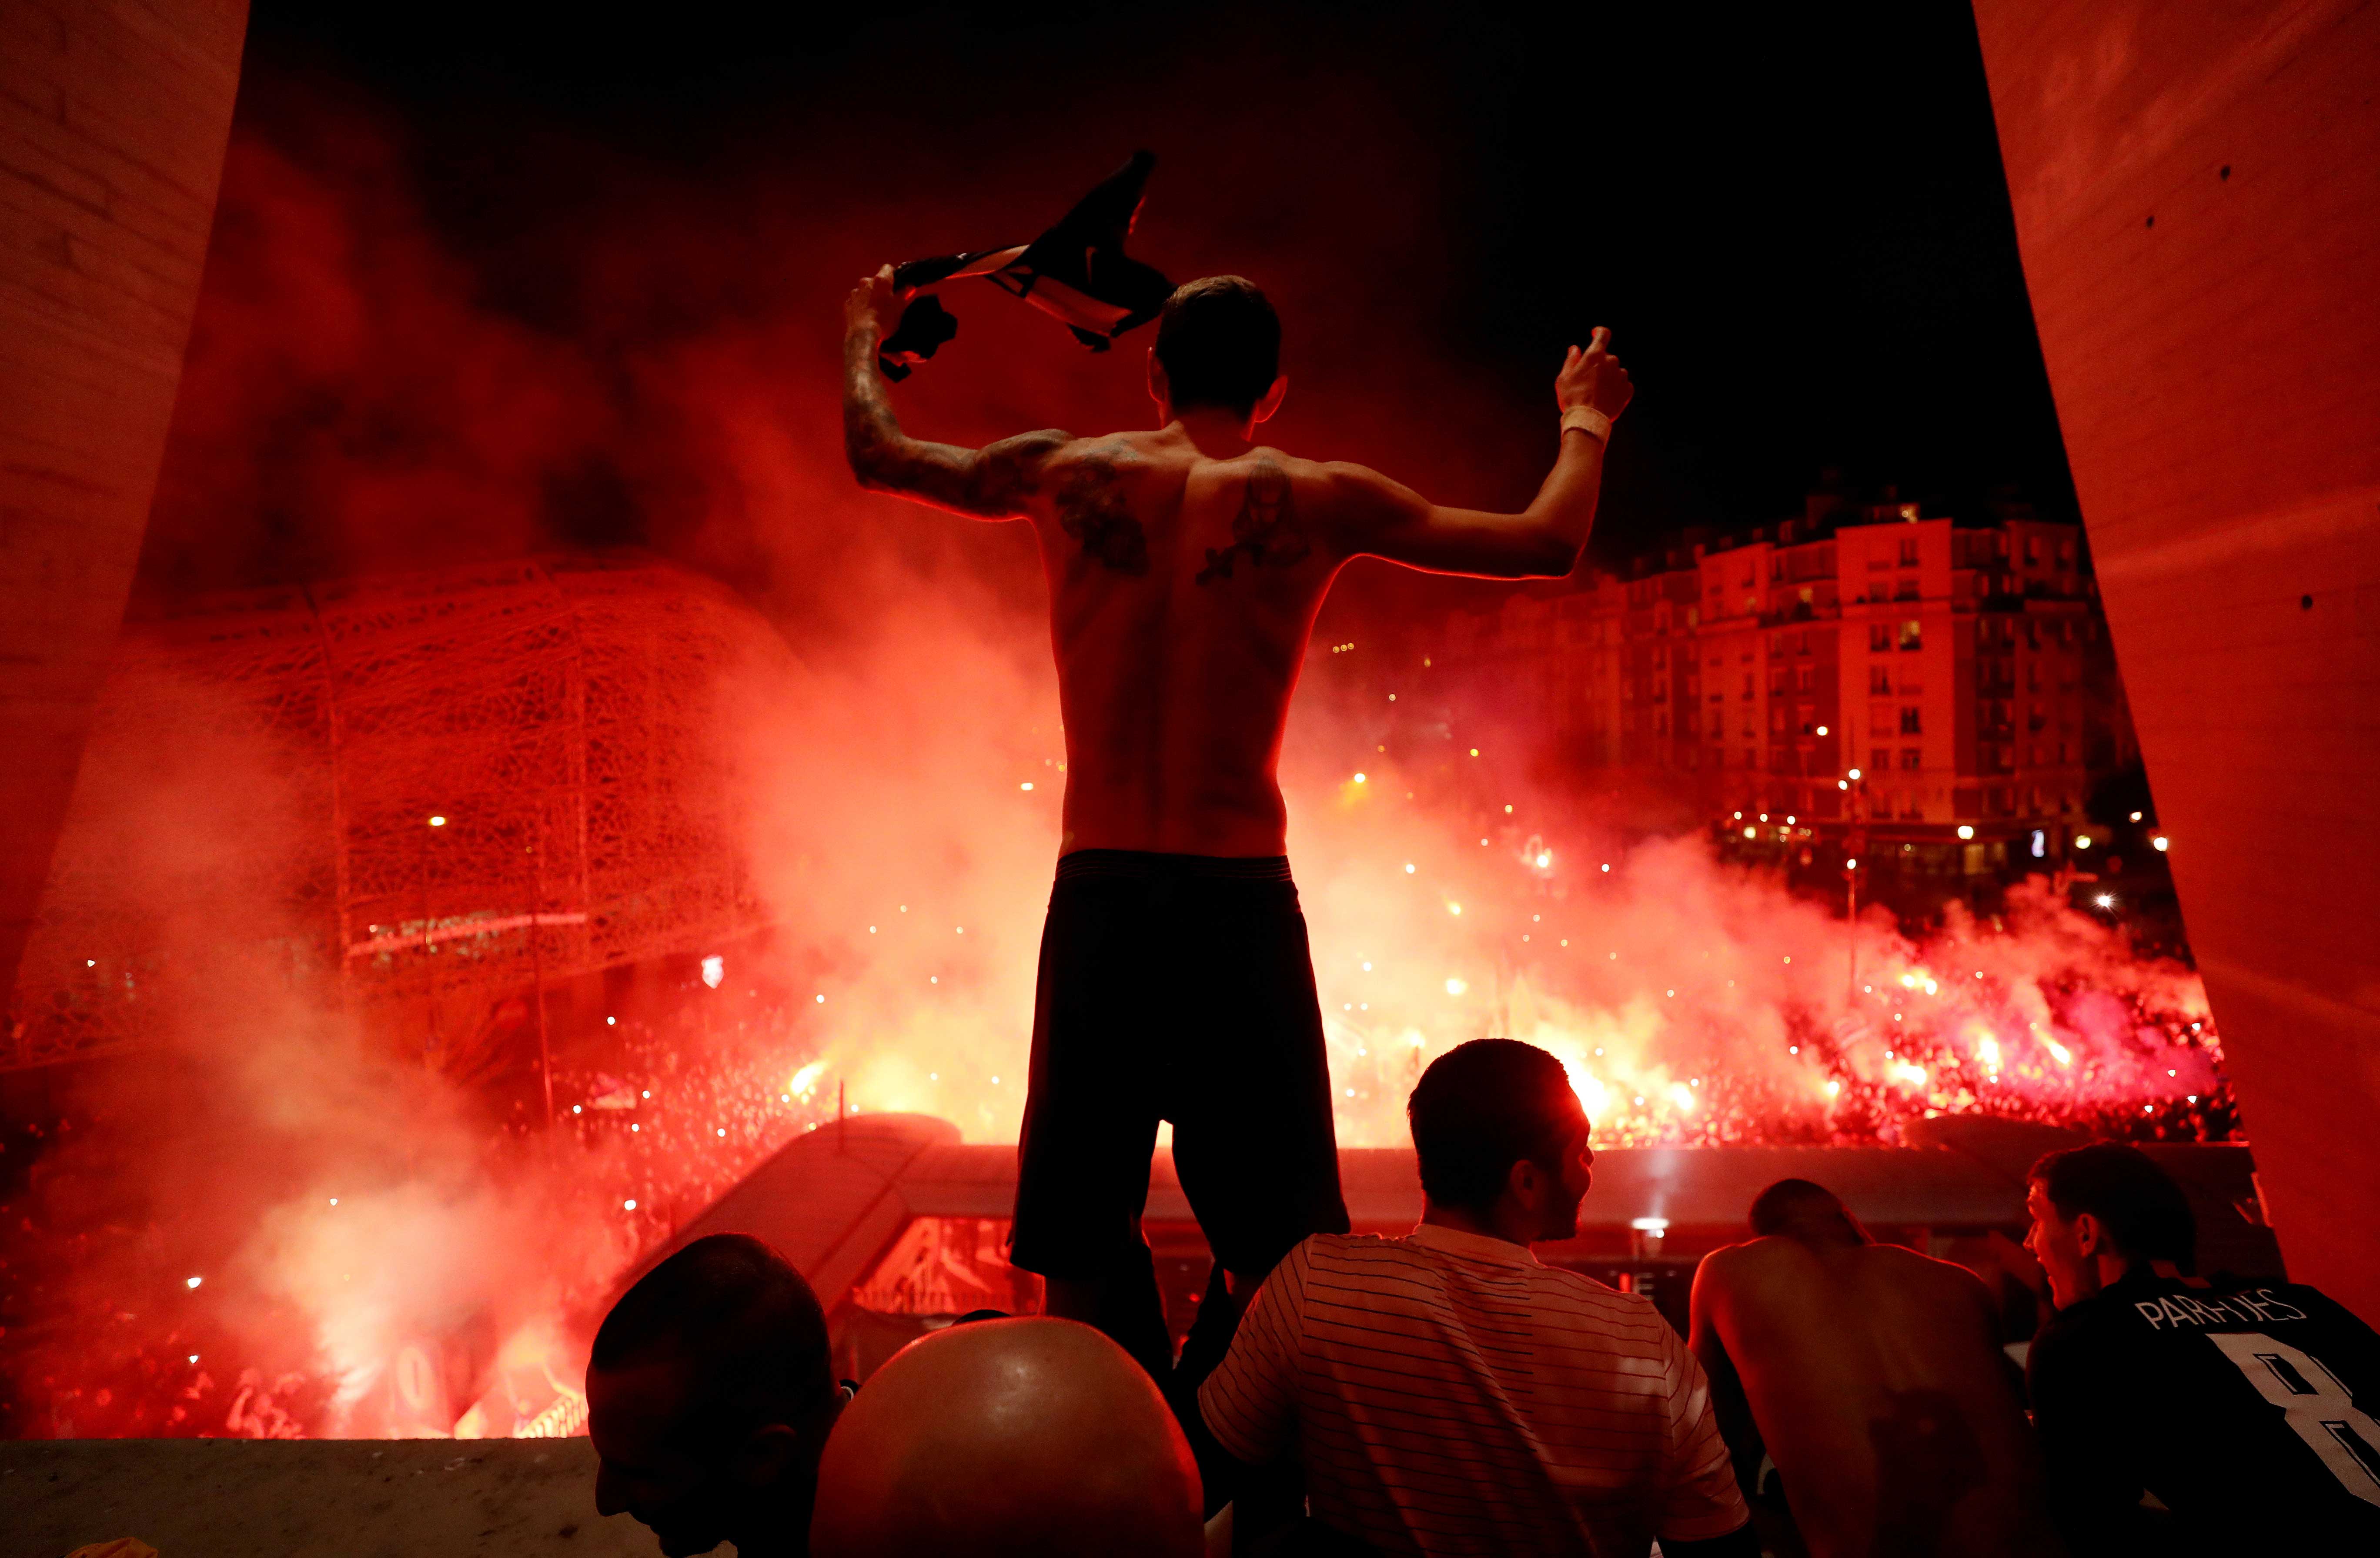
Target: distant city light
<point>1822,730</point>
<point>1474,752</point>
<point>2161,842</point>
<point>438,821</point>
<point>1409,867</point>
<point>2136,816</point>
<point>628,1205</point>
<point>1850,865</point>
<point>1855,774</point>
<point>2081,841</point>
<point>2106,900</point>
<point>2040,844</point>
<point>1966,831</point>
<point>1545,859</point>
<point>715,969</point>
<point>1456,987</point>
<point>1656,1226</point>
<point>1028,784</point>
<point>1749,833</point>
<point>192,1282</point>
<point>1359,779</point>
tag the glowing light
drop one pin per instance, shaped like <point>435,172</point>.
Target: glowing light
<point>1833,1087</point>
<point>1966,831</point>
<point>1453,909</point>
<point>611,1022</point>
<point>438,821</point>
<point>2059,1052</point>
<point>1683,1098</point>
<point>1912,1074</point>
<point>1456,987</point>
<point>1749,833</point>
<point>1764,816</point>
<point>1850,865</point>
<point>1029,785</point>
<point>335,1200</point>
<point>1474,752</point>
<point>806,1078</point>
<point>1842,785</point>
<point>2161,843</point>
<point>192,1282</point>
<point>1822,730</point>
<point>628,1205</point>
<point>2136,816</point>
<point>1359,779</point>
<point>1988,1051</point>
<point>722,1130</point>
<point>1606,865</point>
<point>1545,859</point>
<point>2081,841</point>
<point>577,1109</point>
<point>2106,900</point>
<point>1508,811</point>
<point>1409,867</point>
<point>1788,819</point>
<point>1656,1226</point>
<point>1739,816</point>
<point>1853,774</point>
<point>714,969</point>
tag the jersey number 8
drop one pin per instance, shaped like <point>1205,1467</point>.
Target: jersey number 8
<point>2316,1406</point>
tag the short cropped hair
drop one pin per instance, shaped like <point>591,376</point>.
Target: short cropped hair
<point>743,1324</point>
<point>1218,342</point>
<point>1790,1200</point>
<point>2143,1211</point>
<point>1484,1106</point>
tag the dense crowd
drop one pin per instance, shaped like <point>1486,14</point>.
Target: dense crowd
<point>1446,1392</point>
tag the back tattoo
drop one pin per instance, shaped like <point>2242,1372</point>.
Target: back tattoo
<point>1092,509</point>
<point>1265,528</point>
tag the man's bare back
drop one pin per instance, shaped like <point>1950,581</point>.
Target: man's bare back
<point>1876,1382</point>
<point>1186,570</point>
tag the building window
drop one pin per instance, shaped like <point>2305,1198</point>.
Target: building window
<point>2032,550</point>
<point>1913,756</point>
<point>1879,636</point>
<point>1911,634</point>
<point>1908,723</point>
<point>1909,552</point>
<point>1804,678</point>
<point>1878,760</point>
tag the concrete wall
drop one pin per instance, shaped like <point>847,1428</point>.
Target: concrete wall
<point>326,1498</point>
<point>114,116</point>
<point>2197,193</point>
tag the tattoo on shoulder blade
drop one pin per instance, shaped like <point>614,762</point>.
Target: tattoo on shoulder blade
<point>1265,528</point>
<point>1092,508</point>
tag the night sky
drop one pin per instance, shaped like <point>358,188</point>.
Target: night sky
<point>1796,226</point>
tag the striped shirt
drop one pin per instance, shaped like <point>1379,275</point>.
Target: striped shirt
<point>1448,1394</point>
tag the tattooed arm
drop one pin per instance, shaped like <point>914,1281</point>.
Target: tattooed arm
<point>993,483</point>
<point>1384,518</point>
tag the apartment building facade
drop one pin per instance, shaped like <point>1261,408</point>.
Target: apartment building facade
<point>1869,672</point>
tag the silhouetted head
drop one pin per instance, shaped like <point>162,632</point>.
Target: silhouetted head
<point>1501,1136</point>
<point>1805,1210</point>
<point>1218,348</point>
<point>1029,1436</point>
<point>2099,1210</point>
<point>710,1394</point>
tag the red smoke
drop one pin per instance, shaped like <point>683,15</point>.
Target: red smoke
<point>651,356</point>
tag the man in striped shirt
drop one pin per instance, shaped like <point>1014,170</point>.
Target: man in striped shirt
<point>1445,1392</point>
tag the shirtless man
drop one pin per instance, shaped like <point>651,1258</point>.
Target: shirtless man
<point>1186,568</point>
<point>1874,1377</point>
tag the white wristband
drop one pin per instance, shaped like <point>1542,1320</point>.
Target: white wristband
<point>1590,420</point>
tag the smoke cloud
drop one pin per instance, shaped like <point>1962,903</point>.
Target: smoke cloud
<point>651,357</point>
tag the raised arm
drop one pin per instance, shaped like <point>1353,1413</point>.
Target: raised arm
<point>992,482</point>
<point>1389,519</point>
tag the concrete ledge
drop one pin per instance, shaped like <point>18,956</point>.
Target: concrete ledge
<point>357,1498</point>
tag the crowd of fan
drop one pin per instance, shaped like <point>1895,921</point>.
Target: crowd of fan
<point>1445,1392</point>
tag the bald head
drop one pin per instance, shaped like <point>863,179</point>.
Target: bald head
<point>1805,1210</point>
<point>1007,1436</point>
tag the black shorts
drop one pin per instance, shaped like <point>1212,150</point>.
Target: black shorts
<point>1174,987</point>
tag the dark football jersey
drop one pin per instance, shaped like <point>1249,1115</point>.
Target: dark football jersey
<point>2248,1411</point>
